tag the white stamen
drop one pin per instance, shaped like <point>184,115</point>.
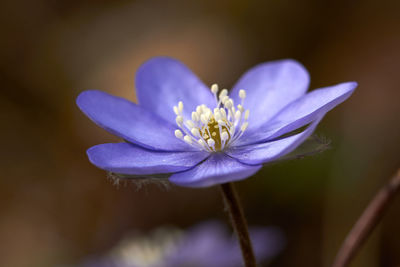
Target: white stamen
<point>195,132</point>
<point>217,116</point>
<point>229,103</point>
<point>190,124</point>
<point>180,106</point>
<point>242,94</point>
<point>221,122</point>
<point>224,136</point>
<point>211,142</point>
<point>195,117</point>
<point>208,131</point>
<point>179,120</point>
<point>207,112</point>
<point>246,114</point>
<point>178,134</point>
<point>204,119</point>
<point>223,112</point>
<point>224,99</point>
<point>238,114</point>
<point>223,93</point>
<point>214,88</point>
<point>187,139</point>
<point>244,126</point>
<point>176,111</point>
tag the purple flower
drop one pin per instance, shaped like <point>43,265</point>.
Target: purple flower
<point>204,245</point>
<point>202,137</point>
<point>209,245</point>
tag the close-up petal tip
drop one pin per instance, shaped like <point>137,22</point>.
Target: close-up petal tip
<point>352,85</point>
<point>345,87</point>
<point>84,97</point>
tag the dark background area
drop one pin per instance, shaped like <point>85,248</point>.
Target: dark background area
<point>56,208</point>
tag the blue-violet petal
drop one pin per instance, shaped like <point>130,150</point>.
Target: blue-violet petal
<point>300,112</point>
<point>217,169</point>
<point>272,150</point>
<point>162,82</point>
<point>125,158</point>
<point>130,121</point>
<point>270,87</point>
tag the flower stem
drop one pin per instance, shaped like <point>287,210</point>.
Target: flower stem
<point>239,223</point>
<point>367,222</point>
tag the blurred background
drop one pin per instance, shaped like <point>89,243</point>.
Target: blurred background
<point>56,208</point>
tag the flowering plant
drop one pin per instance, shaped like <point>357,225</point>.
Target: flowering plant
<point>202,136</point>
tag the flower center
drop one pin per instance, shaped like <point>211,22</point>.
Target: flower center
<point>213,130</point>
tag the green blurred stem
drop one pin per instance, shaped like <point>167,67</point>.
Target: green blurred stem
<point>239,223</point>
<point>367,222</point>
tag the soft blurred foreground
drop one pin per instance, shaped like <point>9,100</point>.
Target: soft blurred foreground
<point>205,244</point>
<point>57,209</point>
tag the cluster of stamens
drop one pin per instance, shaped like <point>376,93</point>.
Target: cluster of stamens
<point>213,130</point>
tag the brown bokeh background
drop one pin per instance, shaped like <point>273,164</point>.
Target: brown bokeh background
<point>56,208</point>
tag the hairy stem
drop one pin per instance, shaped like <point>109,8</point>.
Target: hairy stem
<point>239,223</point>
<point>367,222</point>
